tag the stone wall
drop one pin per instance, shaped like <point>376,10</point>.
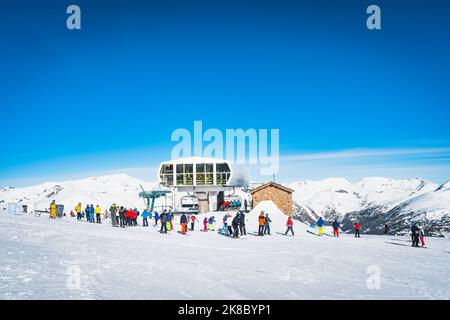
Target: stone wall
<point>281,198</point>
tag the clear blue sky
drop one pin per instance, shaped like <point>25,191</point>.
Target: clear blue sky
<point>107,98</point>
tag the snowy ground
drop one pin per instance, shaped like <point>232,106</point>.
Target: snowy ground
<point>39,259</point>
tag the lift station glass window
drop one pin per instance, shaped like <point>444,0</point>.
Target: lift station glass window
<point>222,173</point>
<point>185,174</point>
<point>166,174</point>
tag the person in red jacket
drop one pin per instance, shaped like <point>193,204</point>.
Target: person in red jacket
<point>357,226</point>
<point>205,224</point>
<point>289,225</point>
<point>193,218</point>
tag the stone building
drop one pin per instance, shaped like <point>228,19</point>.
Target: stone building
<point>278,194</point>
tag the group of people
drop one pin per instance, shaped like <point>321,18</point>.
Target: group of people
<point>231,205</point>
<point>232,226</point>
<point>416,236</point>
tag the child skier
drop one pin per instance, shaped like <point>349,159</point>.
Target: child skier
<point>205,224</point>
<point>211,223</point>
<point>193,218</point>
<point>289,225</point>
<point>422,237</point>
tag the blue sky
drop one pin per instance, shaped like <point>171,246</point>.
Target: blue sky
<point>349,102</point>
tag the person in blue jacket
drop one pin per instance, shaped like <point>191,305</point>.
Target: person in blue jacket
<point>145,218</point>
<point>320,226</point>
<point>156,218</point>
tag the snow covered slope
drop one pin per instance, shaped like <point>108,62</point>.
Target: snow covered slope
<point>42,258</point>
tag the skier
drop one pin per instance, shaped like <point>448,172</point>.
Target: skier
<point>113,210</point>
<point>320,226</point>
<point>86,211</point>
<point>386,228</point>
<point>53,210</point>
<point>144,218</point>
<point>289,225</point>
<point>122,217</point>
<point>98,212</point>
<point>267,224</point>
<point>415,236</point>
<point>205,224</point>
<point>183,222</point>
<point>193,218</point>
<point>91,213</point>
<point>336,228</point>
<point>357,226</point>
<point>170,219</point>
<point>235,224</point>
<point>163,219</point>
<point>78,211</point>
<point>156,218</point>
<point>242,223</point>
<point>230,223</point>
<point>261,222</point>
<point>211,221</point>
<point>422,238</point>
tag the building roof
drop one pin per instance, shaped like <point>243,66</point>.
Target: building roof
<point>273,184</point>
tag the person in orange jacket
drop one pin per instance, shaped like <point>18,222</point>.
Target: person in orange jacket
<point>261,222</point>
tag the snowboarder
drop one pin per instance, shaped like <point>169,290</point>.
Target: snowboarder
<point>386,228</point>
<point>267,224</point>
<point>289,225</point>
<point>78,211</point>
<point>357,227</point>
<point>193,218</point>
<point>145,218</point>
<point>261,222</point>
<point>336,228</point>
<point>98,212</point>
<point>320,226</point>
<point>183,222</point>
<point>53,210</point>
<point>242,223</point>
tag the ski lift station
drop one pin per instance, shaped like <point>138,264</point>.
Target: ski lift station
<point>204,181</point>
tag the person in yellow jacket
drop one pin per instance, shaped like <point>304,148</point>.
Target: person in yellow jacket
<point>53,210</point>
<point>78,211</point>
<point>98,212</point>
